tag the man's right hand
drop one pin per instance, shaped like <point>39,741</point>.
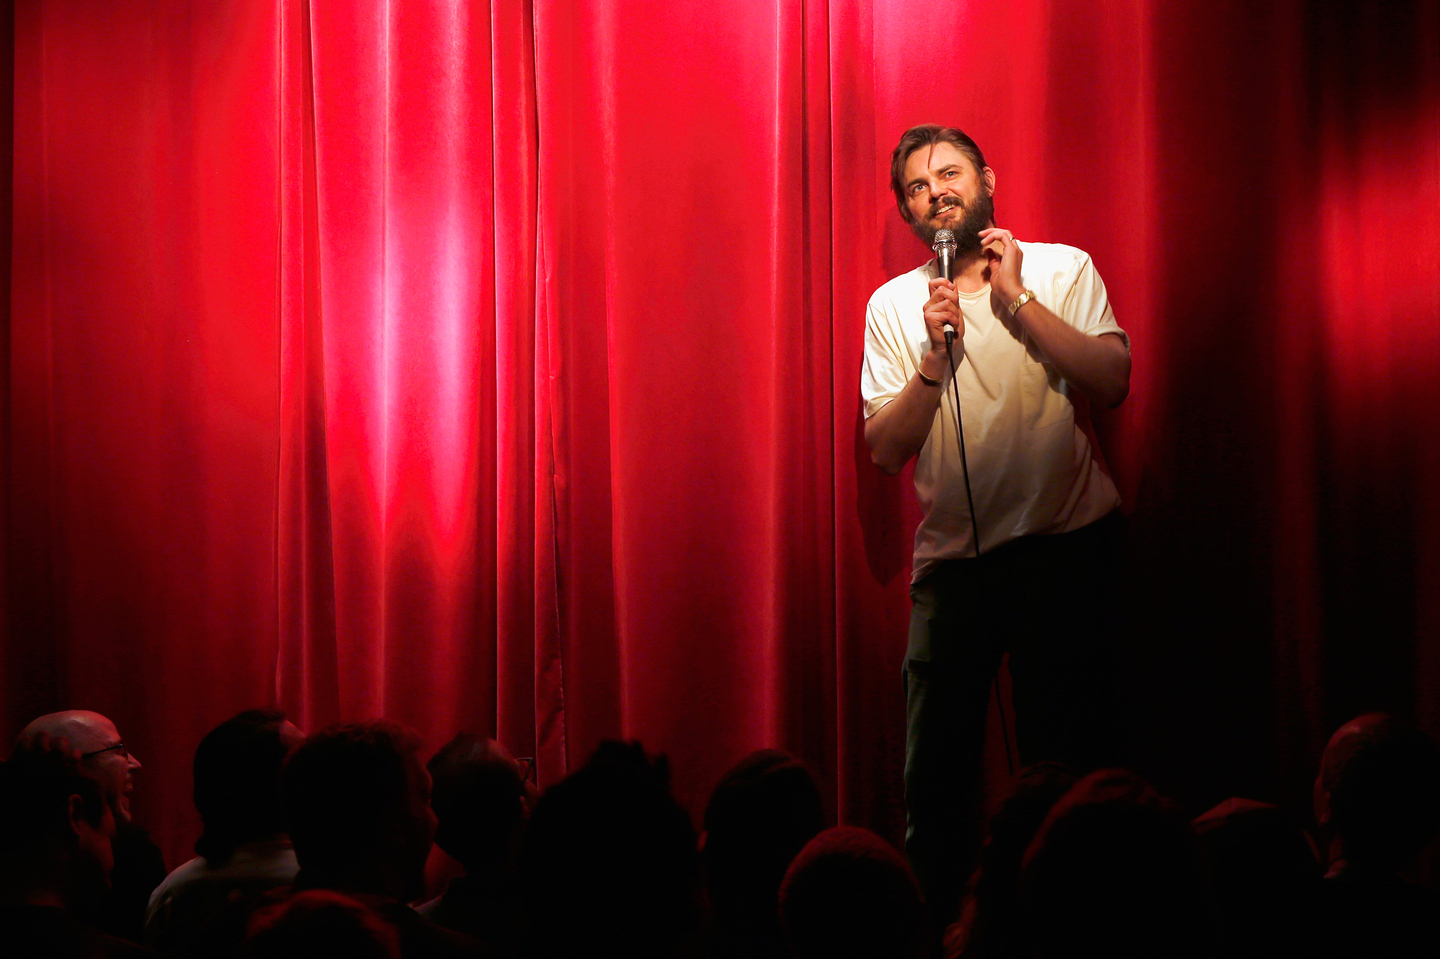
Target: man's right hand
<point>943,307</point>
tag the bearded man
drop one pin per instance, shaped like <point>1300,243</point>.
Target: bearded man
<point>1031,570</point>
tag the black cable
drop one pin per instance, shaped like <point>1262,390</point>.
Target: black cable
<point>975,529</point>
<point>960,435</point>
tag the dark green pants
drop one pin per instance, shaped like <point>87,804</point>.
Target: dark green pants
<point>1050,603</point>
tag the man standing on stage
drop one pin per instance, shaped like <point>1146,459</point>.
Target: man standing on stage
<point>1032,572</point>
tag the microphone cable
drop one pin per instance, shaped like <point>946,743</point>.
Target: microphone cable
<point>975,529</point>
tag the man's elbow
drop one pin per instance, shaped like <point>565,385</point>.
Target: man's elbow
<point>887,464</point>
<point>880,453</point>
<point>1117,386</point>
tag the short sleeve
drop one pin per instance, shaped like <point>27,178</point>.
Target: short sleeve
<point>1084,304</point>
<point>883,374</point>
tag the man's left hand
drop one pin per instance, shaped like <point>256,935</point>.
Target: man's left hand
<point>1004,256</point>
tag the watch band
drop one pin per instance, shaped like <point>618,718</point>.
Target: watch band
<point>1020,301</point>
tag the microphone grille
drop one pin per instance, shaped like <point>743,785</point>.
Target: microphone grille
<point>944,238</point>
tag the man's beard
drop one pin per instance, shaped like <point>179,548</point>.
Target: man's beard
<point>978,216</point>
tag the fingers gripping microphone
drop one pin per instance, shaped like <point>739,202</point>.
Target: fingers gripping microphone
<point>945,249</point>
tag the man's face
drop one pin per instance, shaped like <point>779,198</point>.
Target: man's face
<point>87,877</point>
<point>944,191</point>
<point>421,825</point>
<point>95,844</point>
<point>106,761</point>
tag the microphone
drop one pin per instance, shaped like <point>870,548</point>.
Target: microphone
<point>944,248</point>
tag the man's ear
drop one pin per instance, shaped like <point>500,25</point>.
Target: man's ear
<point>75,812</point>
<point>989,177</point>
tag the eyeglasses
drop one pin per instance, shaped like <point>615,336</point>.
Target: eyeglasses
<point>527,768</point>
<point>120,746</point>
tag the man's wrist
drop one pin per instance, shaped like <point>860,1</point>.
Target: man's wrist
<point>1014,303</point>
<point>933,367</point>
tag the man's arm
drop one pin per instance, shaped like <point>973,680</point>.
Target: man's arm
<point>1098,366</point>
<point>898,430</point>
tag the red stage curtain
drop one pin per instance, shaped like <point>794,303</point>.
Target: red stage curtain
<point>497,366</point>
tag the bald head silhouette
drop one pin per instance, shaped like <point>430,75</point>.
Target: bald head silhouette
<point>104,757</point>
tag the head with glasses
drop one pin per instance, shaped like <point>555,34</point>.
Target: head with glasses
<point>104,756</point>
<point>480,800</point>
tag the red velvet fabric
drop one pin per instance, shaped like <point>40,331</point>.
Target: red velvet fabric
<point>497,366</point>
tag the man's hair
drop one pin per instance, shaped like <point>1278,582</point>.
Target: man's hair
<point>35,789</point>
<point>916,138</point>
<point>1262,870</point>
<point>761,814</point>
<point>478,797</point>
<point>346,790</point>
<point>609,861</point>
<point>237,783</point>
<point>850,893</point>
<point>988,920</point>
<point>1384,791</point>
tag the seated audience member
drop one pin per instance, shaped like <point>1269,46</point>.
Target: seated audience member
<point>848,894</point>
<point>357,800</point>
<point>608,864</point>
<point>244,848</point>
<point>761,814</point>
<point>55,855</point>
<point>1377,803</point>
<point>357,804</point>
<point>986,927</point>
<point>105,758</point>
<point>1263,876</point>
<point>319,922</point>
<point>479,799</point>
<point>1114,872</point>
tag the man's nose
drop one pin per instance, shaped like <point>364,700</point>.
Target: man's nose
<point>131,761</point>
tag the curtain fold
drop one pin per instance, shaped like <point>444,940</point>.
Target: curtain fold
<point>495,365</point>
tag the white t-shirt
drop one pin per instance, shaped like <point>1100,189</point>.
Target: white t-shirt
<point>1032,470</point>
<point>194,892</point>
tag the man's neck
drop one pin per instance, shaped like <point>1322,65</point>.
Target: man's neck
<point>972,273</point>
<point>972,270</point>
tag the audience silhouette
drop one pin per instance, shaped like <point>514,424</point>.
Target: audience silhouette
<point>357,800</point>
<point>244,848</point>
<point>55,854</point>
<point>319,922</point>
<point>987,926</point>
<point>1264,876</point>
<point>850,895</point>
<point>479,797</point>
<point>1114,871</point>
<point>104,757</point>
<point>1377,803</point>
<point>761,814</point>
<point>607,862</point>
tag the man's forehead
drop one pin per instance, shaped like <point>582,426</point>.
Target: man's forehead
<point>934,156</point>
<point>85,730</point>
